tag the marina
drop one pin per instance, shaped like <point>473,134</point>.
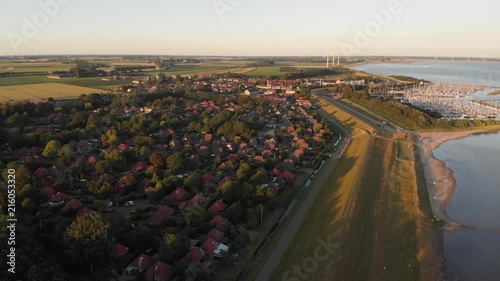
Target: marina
<point>451,101</point>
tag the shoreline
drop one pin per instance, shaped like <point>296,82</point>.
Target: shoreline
<point>441,182</point>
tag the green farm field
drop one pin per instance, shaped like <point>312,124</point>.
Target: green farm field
<point>34,66</point>
<point>42,91</point>
<point>92,82</point>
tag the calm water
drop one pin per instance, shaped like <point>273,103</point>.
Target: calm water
<point>475,160</point>
<point>475,73</point>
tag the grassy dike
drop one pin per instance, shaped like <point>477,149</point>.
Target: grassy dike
<point>375,205</point>
<point>331,212</point>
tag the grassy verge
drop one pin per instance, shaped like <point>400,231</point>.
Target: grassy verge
<point>332,206</point>
<point>282,227</point>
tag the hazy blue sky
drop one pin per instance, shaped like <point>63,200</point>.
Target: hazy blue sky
<point>251,27</point>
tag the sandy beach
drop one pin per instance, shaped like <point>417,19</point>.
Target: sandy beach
<point>440,179</point>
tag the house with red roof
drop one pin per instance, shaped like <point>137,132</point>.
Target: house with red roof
<point>207,178</point>
<point>286,175</point>
<point>41,172</point>
<point>216,234</point>
<point>159,271</point>
<point>199,199</point>
<point>161,215</point>
<point>48,191</point>
<point>217,206</point>
<point>178,194</point>
<point>83,211</point>
<point>106,178</point>
<point>121,250</point>
<point>219,222</point>
<point>195,254</point>
<point>73,204</point>
<point>140,166</point>
<point>122,147</point>
<point>224,180</point>
<point>91,160</point>
<point>213,248</point>
<point>58,197</point>
<point>140,264</point>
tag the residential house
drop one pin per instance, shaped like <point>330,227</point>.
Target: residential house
<point>140,264</point>
<point>161,215</point>
<point>159,271</point>
<point>217,206</point>
<point>196,254</point>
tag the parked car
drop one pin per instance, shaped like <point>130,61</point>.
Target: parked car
<point>129,203</point>
<point>110,204</point>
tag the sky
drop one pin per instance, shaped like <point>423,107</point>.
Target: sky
<point>251,27</point>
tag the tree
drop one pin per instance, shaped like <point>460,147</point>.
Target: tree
<point>156,159</point>
<point>195,215</point>
<point>87,239</point>
<point>51,149</point>
<point>243,172</point>
<point>194,180</point>
<point>23,175</point>
<point>197,272</point>
<point>98,188</point>
<point>175,162</point>
<point>172,246</point>
<point>65,154</point>
<point>103,166</point>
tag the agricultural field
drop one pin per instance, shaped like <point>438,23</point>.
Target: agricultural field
<point>43,91</point>
<point>34,66</point>
<point>265,71</point>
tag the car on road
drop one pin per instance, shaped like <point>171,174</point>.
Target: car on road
<point>110,204</point>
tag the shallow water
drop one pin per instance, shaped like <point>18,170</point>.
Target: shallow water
<point>475,160</point>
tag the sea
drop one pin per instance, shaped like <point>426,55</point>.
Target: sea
<point>471,254</point>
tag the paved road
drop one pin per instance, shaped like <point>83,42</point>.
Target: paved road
<point>361,115</point>
<point>273,261</point>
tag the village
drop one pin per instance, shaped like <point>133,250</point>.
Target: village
<point>185,169</point>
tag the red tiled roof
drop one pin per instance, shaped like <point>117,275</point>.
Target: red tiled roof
<point>83,211</point>
<point>178,194</point>
<point>121,250</point>
<point>106,178</point>
<point>195,254</point>
<point>159,271</point>
<point>139,166</point>
<point>58,197</point>
<point>216,234</point>
<point>209,247</point>
<point>275,172</point>
<point>137,265</point>
<point>286,175</point>
<point>197,199</point>
<point>217,206</point>
<point>161,215</point>
<point>219,221</point>
<point>207,177</point>
<point>182,205</point>
<point>72,205</point>
<point>48,191</point>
